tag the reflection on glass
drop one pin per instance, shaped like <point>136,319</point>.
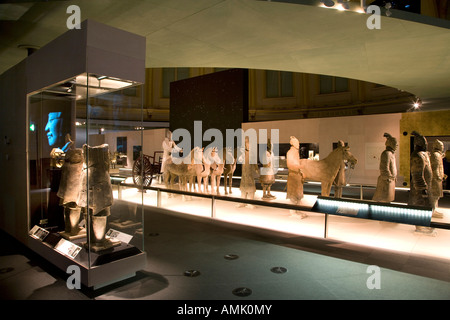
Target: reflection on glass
<point>53,128</point>
<point>65,147</point>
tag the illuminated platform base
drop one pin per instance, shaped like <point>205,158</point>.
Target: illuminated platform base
<point>378,234</point>
<point>106,270</point>
<point>71,237</point>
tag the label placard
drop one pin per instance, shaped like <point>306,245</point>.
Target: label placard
<point>67,248</point>
<point>117,235</point>
<point>38,233</point>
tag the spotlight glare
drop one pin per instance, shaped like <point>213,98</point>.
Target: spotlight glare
<point>328,3</point>
<point>417,104</point>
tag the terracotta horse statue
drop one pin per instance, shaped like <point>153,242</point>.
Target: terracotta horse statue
<point>201,166</point>
<point>217,164</point>
<point>184,168</point>
<point>326,170</point>
<point>340,179</point>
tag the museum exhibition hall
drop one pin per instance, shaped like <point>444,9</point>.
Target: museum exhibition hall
<point>225,150</point>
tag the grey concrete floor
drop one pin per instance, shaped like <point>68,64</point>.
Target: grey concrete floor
<point>316,269</point>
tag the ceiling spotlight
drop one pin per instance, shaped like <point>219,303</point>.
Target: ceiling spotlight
<point>417,104</point>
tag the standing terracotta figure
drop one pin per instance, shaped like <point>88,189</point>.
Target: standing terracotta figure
<point>100,199</point>
<point>168,146</point>
<point>68,192</point>
<point>421,175</point>
<point>249,172</point>
<point>267,175</point>
<point>437,166</point>
<point>385,191</point>
<point>340,180</point>
<point>295,175</point>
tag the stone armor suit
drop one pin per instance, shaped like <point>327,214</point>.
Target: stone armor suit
<point>294,189</point>
<point>437,166</point>
<point>69,187</point>
<point>96,173</point>
<point>267,175</point>
<point>249,172</point>
<point>385,191</point>
<point>69,190</point>
<point>421,175</point>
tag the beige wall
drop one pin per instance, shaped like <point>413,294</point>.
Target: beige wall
<point>307,102</point>
<point>151,141</point>
<point>364,135</point>
<point>435,123</point>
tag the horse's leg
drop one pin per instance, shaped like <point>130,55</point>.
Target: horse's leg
<point>225,177</point>
<point>166,178</point>
<point>170,179</point>
<point>206,184</point>
<point>213,183</point>
<point>326,188</point>
<point>230,181</point>
<point>338,191</point>
<point>218,184</point>
<point>192,183</point>
<point>199,183</point>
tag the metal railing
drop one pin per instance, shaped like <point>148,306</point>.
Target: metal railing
<point>213,197</point>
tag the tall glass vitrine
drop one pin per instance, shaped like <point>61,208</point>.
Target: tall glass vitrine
<point>76,159</point>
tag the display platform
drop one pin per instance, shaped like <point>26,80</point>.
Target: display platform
<point>97,269</point>
<point>378,234</point>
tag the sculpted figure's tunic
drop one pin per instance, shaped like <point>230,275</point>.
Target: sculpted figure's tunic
<point>248,174</point>
<point>96,171</point>
<point>70,185</point>
<point>168,146</point>
<point>267,176</point>
<point>295,177</point>
<point>421,175</point>
<point>437,166</point>
<point>385,191</point>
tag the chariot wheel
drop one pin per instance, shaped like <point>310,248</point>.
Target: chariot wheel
<point>143,171</point>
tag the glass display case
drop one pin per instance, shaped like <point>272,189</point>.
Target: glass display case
<point>72,208</point>
<point>74,214</point>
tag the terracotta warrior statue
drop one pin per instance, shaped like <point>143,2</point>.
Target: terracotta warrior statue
<point>96,174</point>
<point>267,175</point>
<point>168,146</point>
<point>421,175</point>
<point>437,167</point>
<point>385,191</point>
<point>295,175</point>
<point>68,192</point>
<point>249,172</point>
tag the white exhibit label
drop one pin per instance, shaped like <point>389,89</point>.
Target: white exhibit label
<point>67,248</point>
<point>117,235</point>
<point>38,233</point>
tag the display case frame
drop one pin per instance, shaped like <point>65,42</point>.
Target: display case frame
<point>105,62</point>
